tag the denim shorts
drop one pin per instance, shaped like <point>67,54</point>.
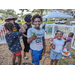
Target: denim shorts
<point>54,55</point>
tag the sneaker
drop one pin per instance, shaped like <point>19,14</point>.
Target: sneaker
<point>26,57</point>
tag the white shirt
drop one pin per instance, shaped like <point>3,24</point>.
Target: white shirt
<point>58,45</point>
<point>36,44</point>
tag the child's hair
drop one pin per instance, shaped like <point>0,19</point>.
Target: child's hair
<point>58,31</point>
<point>28,18</point>
<point>36,16</point>
<point>72,34</point>
<point>8,26</point>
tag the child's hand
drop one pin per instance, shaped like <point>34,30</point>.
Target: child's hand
<point>34,37</point>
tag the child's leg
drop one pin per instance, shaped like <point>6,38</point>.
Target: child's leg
<point>14,58</point>
<point>19,60</point>
<point>51,63</point>
<point>56,61</point>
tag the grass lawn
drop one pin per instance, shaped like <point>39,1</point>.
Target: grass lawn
<point>49,22</point>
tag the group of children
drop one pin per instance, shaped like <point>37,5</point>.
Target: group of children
<point>36,40</point>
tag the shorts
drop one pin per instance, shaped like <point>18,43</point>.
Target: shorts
<point>17,54</point>
<point>54,55</point>
<point>36,56</point>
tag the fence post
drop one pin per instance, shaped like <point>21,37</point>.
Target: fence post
<point>52,30</point>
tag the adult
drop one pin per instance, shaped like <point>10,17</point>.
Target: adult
<point>12,20</point>
<point>26,26</point>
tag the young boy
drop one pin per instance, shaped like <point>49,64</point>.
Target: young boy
<point>36,38</point>
<point>12,39</point>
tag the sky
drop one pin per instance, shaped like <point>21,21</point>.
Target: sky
<point>18,11</point>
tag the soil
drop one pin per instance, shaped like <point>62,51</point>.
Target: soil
<point>6,56</point>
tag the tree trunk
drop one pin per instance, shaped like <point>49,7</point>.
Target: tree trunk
<point>68,19</point>
<point>41,11</point>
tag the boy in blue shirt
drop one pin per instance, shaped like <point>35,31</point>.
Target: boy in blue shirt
<point>36,38</point>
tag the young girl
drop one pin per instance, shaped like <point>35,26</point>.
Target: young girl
<point>68,41</point>
<point>36,38</point>
<point>12,39</point>
<point>57,46</point>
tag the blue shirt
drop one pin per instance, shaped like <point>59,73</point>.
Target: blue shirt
<point>13,40</point>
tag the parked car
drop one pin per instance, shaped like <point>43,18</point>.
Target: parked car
<point>59,21</point>
<point>72,23</point>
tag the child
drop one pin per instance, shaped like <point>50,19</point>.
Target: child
<point>68,41</point>
<point>12,39</point>
<point>57,46</point>
<point>63,37</point>
<point>36,39</point>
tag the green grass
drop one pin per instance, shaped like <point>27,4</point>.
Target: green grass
<point>22,22</point>
<point>49,22</point>
<point>1,21</point>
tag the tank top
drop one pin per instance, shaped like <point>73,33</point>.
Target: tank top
<point>28,26</point>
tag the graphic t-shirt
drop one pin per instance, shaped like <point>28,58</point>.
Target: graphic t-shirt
<point>36,44</point>
<point>58,45</point>
<point>16,27</point>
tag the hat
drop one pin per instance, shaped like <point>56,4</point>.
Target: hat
<point>10,17</point>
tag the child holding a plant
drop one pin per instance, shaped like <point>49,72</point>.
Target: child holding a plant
<point>36,38</point>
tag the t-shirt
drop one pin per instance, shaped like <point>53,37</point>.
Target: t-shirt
<point>70,39</point>
<point>58,45</point>
<point>16,27</point>
<point>13,41</point>
<point>36,44</point>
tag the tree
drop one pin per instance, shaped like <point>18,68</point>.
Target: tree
<point>39,11</point>
<point>68,12</point>
<point>68,19</point>
<point>22,11</point>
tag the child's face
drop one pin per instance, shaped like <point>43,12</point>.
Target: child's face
<point>59,35</point>
<point>69,35</point>
<point>37,23</point>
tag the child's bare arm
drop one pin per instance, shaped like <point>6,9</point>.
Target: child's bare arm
<point>53,46</point>
<point>66,40</point>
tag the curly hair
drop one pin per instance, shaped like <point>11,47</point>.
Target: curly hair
<point>8,26</point>
<point>28,18</point>
<point>36,16</point>
<point>72,34</point>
